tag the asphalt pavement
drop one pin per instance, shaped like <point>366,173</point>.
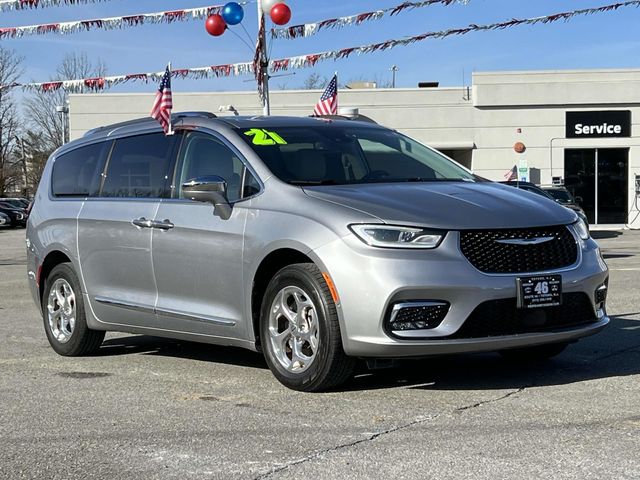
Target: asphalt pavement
<point>149,408</point>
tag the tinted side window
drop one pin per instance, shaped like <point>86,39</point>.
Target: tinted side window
<point>77,173</point>
<point>138,166</point>
<point>204,155</point>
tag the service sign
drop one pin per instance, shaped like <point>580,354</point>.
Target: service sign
<point>600,124</point>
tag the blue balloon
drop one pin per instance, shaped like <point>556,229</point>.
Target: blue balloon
<point>232,13</point>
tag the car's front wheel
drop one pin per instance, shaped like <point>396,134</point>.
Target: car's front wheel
<point>300,332</point>
<point>64,316</point>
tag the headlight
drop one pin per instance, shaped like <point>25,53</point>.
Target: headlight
<point>398,237</point>
<point>582,229</point>
<point>19,216</point>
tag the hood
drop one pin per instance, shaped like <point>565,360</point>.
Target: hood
<point>448,205</point>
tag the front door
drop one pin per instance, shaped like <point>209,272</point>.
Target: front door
<point>198,260</point>
<point>598,178</point>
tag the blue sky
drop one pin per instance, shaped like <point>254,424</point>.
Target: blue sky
<point>607,40</point>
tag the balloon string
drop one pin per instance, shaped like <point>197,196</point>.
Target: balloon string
<point>273,40</point>
<point>242,40</point>
<point>247,34</point>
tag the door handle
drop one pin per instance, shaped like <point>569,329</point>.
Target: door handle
<point>164,225</point>
<point>142,222</point>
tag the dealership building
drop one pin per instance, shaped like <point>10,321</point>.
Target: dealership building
<point>575,128</point>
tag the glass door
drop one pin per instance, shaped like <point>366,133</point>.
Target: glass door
<point>598,178</point>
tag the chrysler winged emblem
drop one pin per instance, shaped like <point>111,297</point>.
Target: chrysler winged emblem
<point>526,241</point>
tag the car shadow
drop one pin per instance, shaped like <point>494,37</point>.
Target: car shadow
<point>147,345</point>
<point>608,256</point>
<point>614,352</point>
<point>602,234</point>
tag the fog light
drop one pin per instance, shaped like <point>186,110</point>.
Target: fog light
<point>600,295</point>
<point>417,315</point>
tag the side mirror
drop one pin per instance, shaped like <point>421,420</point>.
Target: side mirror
<point>209,189</point>
<point>578,199</point>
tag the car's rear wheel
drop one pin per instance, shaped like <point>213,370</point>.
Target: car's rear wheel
<point>537,353</point>
<point>300,332</point>
<point>64,315</point>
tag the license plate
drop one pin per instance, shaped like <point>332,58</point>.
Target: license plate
<point>538,292</point>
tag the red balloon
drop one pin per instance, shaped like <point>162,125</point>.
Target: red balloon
<point>280,14</point>
<point>215,25</point>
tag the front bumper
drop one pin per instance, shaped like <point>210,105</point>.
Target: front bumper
<point>370,280</point>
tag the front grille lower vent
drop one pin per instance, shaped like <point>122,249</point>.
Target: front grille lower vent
<point>417,315</point>
<point>502,317</point>
<point>519,250</point>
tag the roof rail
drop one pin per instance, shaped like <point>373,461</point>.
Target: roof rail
<point>357,118</point>
<point>194,114</point>
<point>113,126</point>
<point>136,121</point>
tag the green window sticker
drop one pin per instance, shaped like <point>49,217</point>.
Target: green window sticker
<point>265,137</point>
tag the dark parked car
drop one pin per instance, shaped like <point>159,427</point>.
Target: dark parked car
<point>18,216</point>
<point>564,197</point>
<point>16,202</point>
<point>557,195</point>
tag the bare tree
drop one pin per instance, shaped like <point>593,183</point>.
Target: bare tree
<point>380,80</point>
<point>34,157</point>
<point>41,107</point>
<point>10,71</point>
<point>315,82</point>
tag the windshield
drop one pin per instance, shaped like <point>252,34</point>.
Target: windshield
<point>562,196</point>
<point>332,155</point>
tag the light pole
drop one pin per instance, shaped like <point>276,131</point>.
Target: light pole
<point>20,142</point>
<point>63,110</point>
<point>394,69</point>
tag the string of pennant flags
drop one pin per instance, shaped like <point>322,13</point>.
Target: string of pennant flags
<point>113,23</point>
<point>310,29</point>
<point>9,5</point>
<point>301,61</point>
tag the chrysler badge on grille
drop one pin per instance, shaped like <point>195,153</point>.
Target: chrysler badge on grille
<point>526,241</point>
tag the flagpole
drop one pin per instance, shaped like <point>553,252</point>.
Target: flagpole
<point>170,130</point>
<point>264,62</point>
<point>337,100</point>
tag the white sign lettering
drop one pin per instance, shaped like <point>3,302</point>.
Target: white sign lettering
<point>603,129</point>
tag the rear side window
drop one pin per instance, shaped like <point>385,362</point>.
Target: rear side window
<point>77,173</point>
<point>138,166</point>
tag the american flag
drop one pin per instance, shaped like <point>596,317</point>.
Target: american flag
<point>328,104</point>
<point>163,103</point>
<point>511,174</point>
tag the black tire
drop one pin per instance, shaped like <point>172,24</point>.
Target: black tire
<point>532,354</point>
<point>331,366</point>
<point>82,340</point>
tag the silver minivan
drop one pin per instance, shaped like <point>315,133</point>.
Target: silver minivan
<point>316,241</point>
